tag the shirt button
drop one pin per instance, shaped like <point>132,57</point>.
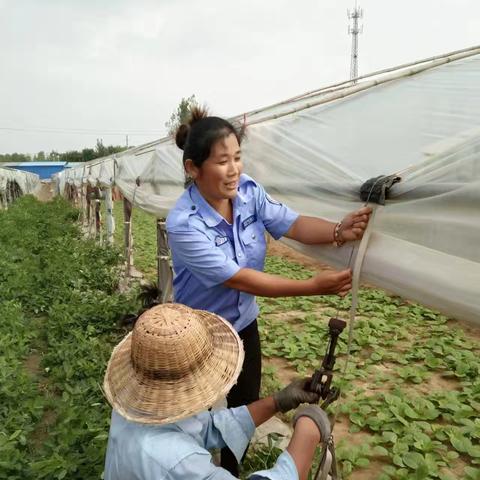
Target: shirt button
<point>253,236</point>
<point>240,302</point>
<point>193,207</point>
<point>240,255</point>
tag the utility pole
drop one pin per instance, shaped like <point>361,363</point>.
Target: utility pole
<point>126,140</point>
<point>354,30</point>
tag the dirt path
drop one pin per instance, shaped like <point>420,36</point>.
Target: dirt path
<point>45,193</point>
<point>32,365</point>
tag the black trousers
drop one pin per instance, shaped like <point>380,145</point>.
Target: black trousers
<point>247,389</point>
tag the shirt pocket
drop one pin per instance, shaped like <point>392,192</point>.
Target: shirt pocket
<point>227,249</point>
<point>253,239</point>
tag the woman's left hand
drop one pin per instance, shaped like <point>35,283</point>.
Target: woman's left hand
<point>354,224</point>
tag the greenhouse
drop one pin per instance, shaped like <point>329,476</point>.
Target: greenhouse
<point>419,122</point>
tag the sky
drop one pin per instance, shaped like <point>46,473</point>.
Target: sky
<point>73,72</point>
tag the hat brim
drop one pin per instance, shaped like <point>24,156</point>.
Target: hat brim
<point>159,401</point>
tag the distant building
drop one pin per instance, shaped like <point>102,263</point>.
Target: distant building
<point>43,169</point>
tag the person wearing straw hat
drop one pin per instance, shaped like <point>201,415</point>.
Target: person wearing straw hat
<point>216,233</point>
<point>160,381</point>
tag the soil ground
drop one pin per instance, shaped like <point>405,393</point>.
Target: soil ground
<point>45,193</point>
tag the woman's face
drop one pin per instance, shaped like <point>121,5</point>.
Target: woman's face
<point>218,177</point>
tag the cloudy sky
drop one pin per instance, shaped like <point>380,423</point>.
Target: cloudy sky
<point>74,71</point>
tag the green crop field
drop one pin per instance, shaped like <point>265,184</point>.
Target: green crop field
<point>411,400</point>
<point>412,388</point>
<point>59,307</point>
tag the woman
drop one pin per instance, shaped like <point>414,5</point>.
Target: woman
<point>216,233</point>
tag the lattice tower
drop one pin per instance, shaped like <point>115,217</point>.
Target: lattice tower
<point>354,30</point>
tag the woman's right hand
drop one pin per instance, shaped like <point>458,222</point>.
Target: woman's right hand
<point>332,282</point>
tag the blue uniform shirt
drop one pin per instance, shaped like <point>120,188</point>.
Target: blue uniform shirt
<point>179,451</point>
<point>207,250</point>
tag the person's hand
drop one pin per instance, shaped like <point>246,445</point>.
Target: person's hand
<point>295,394</point>
<point>332,282</point>
<point>318,419</point>
<point>354,224</point>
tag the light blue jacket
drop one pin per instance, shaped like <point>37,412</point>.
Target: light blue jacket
<point>180,450</point>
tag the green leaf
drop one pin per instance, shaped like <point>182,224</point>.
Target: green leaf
<point>358,419</point>
<point>474,452</point>
<point>452,455</point>
<point>460,443</point>
<point>472,473</point>
<point>362,462</point>
<point>389,437</point>
<point>347,467</point>
<point>400,447</point>
<point>446,476</point>
<point>413,460</point>
<point>380,451</point>
<point>398,460</point>
<point>15,434</point>
<point>409,412</point>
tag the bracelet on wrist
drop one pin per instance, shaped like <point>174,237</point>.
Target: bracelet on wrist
<point>336,235</point>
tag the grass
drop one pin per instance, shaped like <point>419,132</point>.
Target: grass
<point>144,239</point>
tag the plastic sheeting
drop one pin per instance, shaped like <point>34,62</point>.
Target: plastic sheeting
<point>26,181</point>
<point>315,153</point>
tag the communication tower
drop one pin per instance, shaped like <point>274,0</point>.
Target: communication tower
<point>354,30</point>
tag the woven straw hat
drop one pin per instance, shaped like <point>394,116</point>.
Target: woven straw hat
<point>176,362</point>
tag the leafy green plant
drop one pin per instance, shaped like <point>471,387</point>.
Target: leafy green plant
<point>262,456</point>
<point>59,305</point>
<point>400,351</point>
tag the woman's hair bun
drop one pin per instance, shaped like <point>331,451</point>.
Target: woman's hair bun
<point>196,113</point>
<point>181,135</point>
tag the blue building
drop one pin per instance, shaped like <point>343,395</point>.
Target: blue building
<point>43,169</point>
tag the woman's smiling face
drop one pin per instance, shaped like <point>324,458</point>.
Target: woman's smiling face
<point>218,177</point>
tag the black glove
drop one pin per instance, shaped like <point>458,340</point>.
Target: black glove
<point>295,394</point>
<point>320,418</point>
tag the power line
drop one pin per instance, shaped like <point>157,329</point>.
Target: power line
<point>81,131</point>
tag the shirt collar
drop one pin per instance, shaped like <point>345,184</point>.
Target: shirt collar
<point>209,214</point>
<point>239,199</point>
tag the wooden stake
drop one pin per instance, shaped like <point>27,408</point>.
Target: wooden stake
<point>128,240</point>
<point>98,220</point>
<point>164,268</point>
<point>109,220</point>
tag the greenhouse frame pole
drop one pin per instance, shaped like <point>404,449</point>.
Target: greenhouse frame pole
<point>164,268</point>
<point>98,220</point>
<point>128,240</point>
<point>109,218</point>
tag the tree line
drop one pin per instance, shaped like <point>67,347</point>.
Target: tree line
<point>179,116</point>
<point>84,155</point>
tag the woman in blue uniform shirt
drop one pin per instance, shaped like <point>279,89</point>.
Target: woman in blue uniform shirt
<point>216,234</point>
